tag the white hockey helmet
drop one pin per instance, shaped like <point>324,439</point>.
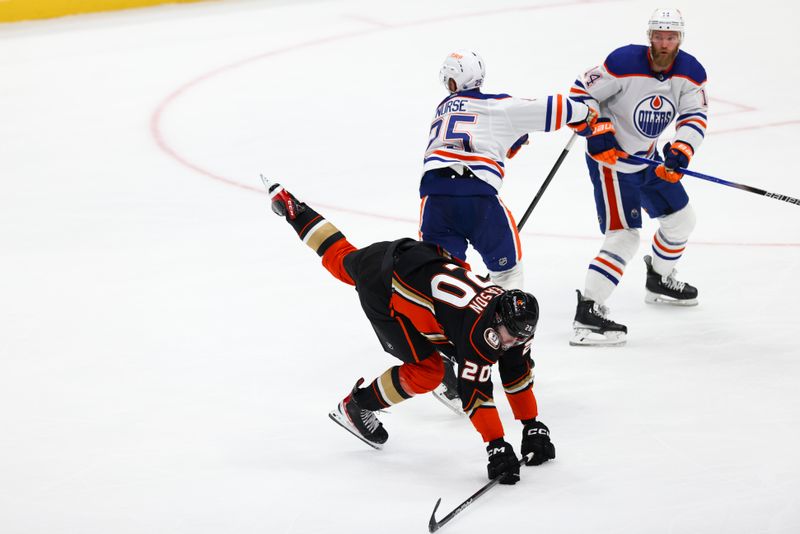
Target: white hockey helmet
<point>464,67</point>
<point>665,19</point>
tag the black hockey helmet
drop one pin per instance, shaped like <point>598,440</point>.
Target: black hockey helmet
<point>519,312</point>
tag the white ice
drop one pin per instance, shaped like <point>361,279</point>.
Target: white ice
<point>169,350</point>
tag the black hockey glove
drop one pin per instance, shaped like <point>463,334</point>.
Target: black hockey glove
<point>536,439</point>
<point>502,459</point>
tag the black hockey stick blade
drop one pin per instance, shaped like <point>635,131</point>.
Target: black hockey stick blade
<point>434,525</point>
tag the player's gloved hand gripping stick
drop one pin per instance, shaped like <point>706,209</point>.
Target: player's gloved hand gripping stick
<point>749,189</point>
<point>434,525</point>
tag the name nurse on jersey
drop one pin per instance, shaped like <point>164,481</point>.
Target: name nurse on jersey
<point>652,115</point>
<point>451,106</point>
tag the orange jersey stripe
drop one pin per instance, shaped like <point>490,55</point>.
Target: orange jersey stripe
<point>422,319</point>
<point>470,158</point>
<point>694,119</point>
<point>559,109</point>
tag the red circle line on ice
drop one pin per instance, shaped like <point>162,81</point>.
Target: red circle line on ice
<point>377,27</point>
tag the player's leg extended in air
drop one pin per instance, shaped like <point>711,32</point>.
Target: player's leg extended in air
<point>360,267</point>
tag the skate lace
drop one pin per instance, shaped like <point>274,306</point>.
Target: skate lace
<point>670,281</point>
<point>602,312</point>
<point>369,420</point>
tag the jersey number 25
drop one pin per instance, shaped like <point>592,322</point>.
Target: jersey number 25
<point>451,136</point>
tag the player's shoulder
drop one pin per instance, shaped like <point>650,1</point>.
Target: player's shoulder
<point>629,60</point>
<point>687,66</point>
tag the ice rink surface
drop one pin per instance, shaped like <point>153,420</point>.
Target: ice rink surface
<point>169,350</point>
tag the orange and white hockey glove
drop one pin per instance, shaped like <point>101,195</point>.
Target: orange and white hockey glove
<point>601,142</point>
<point>676,155</point>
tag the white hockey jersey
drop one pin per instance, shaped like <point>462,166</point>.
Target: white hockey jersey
<point>475,130</point>
<point>642,103</point>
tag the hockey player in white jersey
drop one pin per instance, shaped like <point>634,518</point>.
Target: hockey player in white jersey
<point>639,91</point>
<point>471,135</point>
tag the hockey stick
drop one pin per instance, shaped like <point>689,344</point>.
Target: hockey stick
<point>748,188</point>
<point>434,525</point>
<point>547,181</point>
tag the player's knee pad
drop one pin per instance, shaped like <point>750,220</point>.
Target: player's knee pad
<point>423,376</point>
<point>513,278</point>
<point>678,226</point>
<point>622,243</point>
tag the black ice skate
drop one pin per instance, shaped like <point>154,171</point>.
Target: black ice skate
<point>594,328</point>
<point>447,391</point>
<point>361,423</point>
<point>283,202</point>
<point>666,290</point>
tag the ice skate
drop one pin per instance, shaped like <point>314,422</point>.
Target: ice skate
<point>447,391</point>
<point>361,423</point>
<point>594,328</point>
<point>666,289</point>
<point>283,202</point>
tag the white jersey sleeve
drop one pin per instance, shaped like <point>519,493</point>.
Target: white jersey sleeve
<point>692,116</point>
<point>475,130</point>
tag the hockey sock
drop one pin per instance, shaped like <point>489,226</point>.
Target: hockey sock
<point>383,392</point>
<point>325,239</point>
<point>315,231</point>
<point>670,239</point>
<point>402,382</point>
<point>513,278</point>
<point>607,268</point>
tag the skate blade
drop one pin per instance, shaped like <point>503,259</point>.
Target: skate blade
<point>337,417</point>
<point>453,404</point>
<point>583,337</point>
<point>655,298</point>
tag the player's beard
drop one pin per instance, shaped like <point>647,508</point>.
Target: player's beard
<point>662,60</point>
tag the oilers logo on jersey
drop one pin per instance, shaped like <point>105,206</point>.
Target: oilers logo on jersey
<point>652,115</point>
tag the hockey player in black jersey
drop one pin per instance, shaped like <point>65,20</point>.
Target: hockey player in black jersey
<point>421,302</point>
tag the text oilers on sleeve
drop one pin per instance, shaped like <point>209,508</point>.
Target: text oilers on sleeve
<point>642,103</point>
<point>475,130</point>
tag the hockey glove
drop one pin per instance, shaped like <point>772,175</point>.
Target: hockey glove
<point>516,146</point>
<point>536,439</point>
<point>676,155</point>
<point>502,461</point>
<point>601,142</point>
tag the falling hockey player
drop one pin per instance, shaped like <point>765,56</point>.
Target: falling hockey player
<point>418,298</point>
<point>639,91</point>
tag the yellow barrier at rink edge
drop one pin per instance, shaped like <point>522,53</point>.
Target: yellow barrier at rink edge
<point>16,10</point>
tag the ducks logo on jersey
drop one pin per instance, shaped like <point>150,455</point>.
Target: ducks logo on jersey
<point>652,115</point>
